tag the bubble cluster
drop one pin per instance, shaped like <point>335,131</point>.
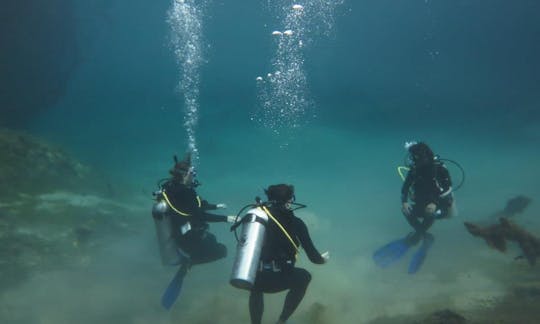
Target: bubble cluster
<point>284,100</point>
<point>185,21</point>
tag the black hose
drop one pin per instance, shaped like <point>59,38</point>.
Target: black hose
<point>406,161</point>
<point>462,173</point>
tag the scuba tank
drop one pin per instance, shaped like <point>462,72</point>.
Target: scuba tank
<point>248,250</point>
<point>165,233</point>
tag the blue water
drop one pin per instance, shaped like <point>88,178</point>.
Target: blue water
<point>463,76</point>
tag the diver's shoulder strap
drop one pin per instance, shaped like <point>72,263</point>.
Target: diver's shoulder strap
<point>176,210</point>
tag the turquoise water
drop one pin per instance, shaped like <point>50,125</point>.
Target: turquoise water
<point>366,77</point>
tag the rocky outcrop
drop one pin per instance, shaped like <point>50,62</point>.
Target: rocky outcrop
<point>54,210</point>
<point>29,165</point>
<point>497,235</point>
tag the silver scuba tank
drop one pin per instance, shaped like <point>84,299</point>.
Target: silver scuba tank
<point>248,250</point>
<point>165,234</point>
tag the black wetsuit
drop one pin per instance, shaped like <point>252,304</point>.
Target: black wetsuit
<point>278,257</point>
<point>427,184</point>
<point>200,245</point>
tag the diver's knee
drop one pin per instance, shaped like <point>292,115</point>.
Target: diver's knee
<point>303,277</point>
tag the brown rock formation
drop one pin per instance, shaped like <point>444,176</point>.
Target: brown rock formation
<point>496,235</point>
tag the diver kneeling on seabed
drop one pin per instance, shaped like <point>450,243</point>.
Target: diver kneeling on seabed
<point>181,220</point>
<point>426,196</point>
<point>268,245</point>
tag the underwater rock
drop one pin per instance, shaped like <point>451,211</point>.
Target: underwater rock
<point>64,234</point>
<point>493,235</point>
<point>445,316</point>
<point>527,292</point>
<point>516,205</point>
<point>30,165</point>
<point>55,212</point>
<point>496,235</point>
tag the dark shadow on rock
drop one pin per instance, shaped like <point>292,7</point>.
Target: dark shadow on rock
<point>445,316</point>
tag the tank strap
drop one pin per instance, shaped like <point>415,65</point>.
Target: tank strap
<point>296,248</point>
<point>172,207</point>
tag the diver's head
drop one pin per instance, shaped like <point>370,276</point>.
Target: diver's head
<point>183,171</point>
<point>280,194</point>
<point>421,154</point>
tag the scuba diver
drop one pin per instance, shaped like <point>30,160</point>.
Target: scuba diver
<point>181,220</point>
<point>426,195</point>
<point>273,269</point>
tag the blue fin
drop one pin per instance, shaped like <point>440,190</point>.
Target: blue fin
<point>420,255</point>
<point>390,253</point>
<point>173,290</point>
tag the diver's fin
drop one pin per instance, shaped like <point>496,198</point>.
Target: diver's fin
<point>420,255</point>
<point>390,253</point>
<point>173,290</point>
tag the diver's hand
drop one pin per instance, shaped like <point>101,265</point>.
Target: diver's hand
<point>231,219</point>
<point>326,256</point>
<point>221,205</point>
<point>430,208</point>
<point>406,209</point>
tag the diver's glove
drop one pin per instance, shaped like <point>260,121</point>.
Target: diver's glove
<point>231,219</point>
<point>223,206</point>
<point>326,256</point>
<point>406,209</point>
<point>431,208</point>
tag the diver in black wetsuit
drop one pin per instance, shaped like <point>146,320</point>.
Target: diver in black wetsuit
<point>429,182</point>
<point>278,256</point>
<point>190,217</point>
<point>429,189</point>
